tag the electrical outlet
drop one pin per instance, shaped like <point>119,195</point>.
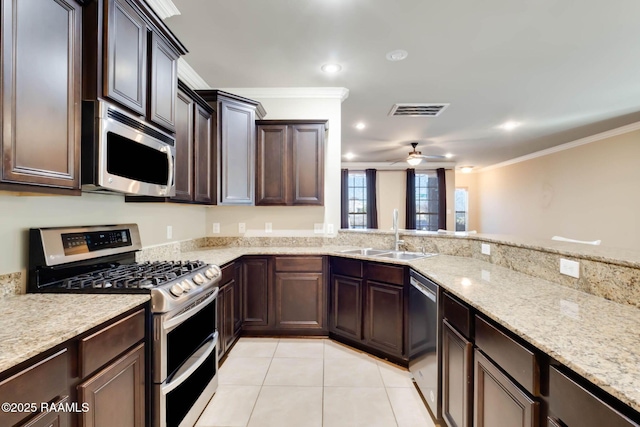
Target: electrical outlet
<point>216,228</point>
<point>242,227</point>
<point>268,227</point>
<point>330,228</point>
<point>318,228</point>
<point>570,268</point>
<point>169,232</point>
<point>486,249</point>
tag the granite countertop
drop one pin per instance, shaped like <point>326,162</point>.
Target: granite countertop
<point>33,323</point>
<point>597,338</point>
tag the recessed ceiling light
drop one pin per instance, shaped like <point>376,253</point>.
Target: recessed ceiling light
<point>466,169</point>
<point>397,55</point>
<point>331,68</point>
<point>349,156</point>
<point>360,126</point>
<point>510,125</point>
<point>448,155</point>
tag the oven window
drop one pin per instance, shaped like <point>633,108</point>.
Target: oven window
<point>130,159</point>
<point>181,399</point>
<point>187,337</point>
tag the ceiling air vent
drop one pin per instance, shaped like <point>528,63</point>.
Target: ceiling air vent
<point>417,110</point>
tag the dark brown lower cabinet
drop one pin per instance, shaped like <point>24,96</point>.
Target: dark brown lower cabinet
<point>255,293</point>
<point>229,318</point>
<point>346,306</point>
<point>299,300</point>
<point>572,405</point>
<point>51,419</point>
<point>383,322</point>
<point>237,299</point>
<point>457,377</point>
<point>115,395</point>
<point>498,401</point>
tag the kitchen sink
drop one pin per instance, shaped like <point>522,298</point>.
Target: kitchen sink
<point>407,256</point>
<point>386,253</point>
<point>365,251</point>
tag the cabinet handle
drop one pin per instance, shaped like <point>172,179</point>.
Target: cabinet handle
<point>424,291</point>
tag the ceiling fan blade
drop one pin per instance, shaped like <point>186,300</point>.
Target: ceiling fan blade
<point>431,157</point>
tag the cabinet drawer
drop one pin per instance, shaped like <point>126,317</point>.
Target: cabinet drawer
<point>99,348</point>
<point>574,406</point>
<point>517,361</point>
<point>307,263</point>
<point>228,274</point>
<point>385,273</point>
<point>40,382</point>
<point>346,267</point>
<point>457,314</point>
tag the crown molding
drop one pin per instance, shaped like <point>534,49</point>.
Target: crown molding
<point>567,146</point>
<point>399,166</point>
<point>164,8</point>
<point>340,93</point>
<point>190,76</point>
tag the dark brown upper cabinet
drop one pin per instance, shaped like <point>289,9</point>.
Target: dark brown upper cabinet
<point>235,145</point>
<point>290,162</point>
<point>130,57</point>
<point>204,169</point>
<point>185,106</point>
<point>40,92</point>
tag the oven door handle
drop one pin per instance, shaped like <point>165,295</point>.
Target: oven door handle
<point>175,382</point>
<point>174,321</point>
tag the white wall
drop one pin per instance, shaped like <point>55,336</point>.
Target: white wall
<point>290,220</point>
<point>19,213</point>
<point>587,192</point>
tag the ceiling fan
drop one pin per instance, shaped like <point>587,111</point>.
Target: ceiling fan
<point>416,157</point>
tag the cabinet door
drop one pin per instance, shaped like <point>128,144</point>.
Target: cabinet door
<point>255,293</point>
<point>228,315</point>
<point>383,317</point>
<point>220,323</point>
<point>126,57</point>
<point>41,92</point>
<point>346,306</point>
<point>457,377</point>
<point>272,172</point>
<point>53,418</point>
<point>164,83</point>
<point>184,148</point>
<point>497,400</point>
<point>299,300</point>
<point>203,173</point>
<point>307,164</point>
<point>116,393</point>
<point>237,300</point>
<point>237,153</point>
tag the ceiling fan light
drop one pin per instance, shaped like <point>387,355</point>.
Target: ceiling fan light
<point>414,161</point>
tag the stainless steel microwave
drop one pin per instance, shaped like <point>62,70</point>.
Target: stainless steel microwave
<point>123,154</point>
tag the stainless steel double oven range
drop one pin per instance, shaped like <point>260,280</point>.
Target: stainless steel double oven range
<point>181,328</point>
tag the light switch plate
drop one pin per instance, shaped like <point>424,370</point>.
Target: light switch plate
<point>242,227</point>
<point>216,228</point>
<point>169,232</point>
<point>570,268</point>
<point>486,249</point>
<point>268,227</point>
<point>330,228</point>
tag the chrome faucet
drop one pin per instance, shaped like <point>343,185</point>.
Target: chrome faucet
<point>398,242</point>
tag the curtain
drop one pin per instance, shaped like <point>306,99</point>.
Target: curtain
<point>372,209</point>
<point>442,200</point>
<point>411,200</point>
<point>344,198</point>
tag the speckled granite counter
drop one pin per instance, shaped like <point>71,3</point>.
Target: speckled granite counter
<point>598,339</point>
<point>33,323</point>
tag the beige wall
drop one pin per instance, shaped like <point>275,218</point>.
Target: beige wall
<point>291,221</point>
<point>19,213</point>
<point>391,189</point>
<point>588,192</point>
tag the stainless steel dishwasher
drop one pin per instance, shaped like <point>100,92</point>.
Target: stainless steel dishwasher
<point>424,338</point>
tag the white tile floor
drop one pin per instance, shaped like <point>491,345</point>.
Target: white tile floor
<point>288,382</point>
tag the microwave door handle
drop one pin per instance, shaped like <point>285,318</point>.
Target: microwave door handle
<point>171,170</point>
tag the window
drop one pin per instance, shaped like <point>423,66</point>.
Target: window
<point>357,200</point>
<point>426,201</point>
<point>462,209</point>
